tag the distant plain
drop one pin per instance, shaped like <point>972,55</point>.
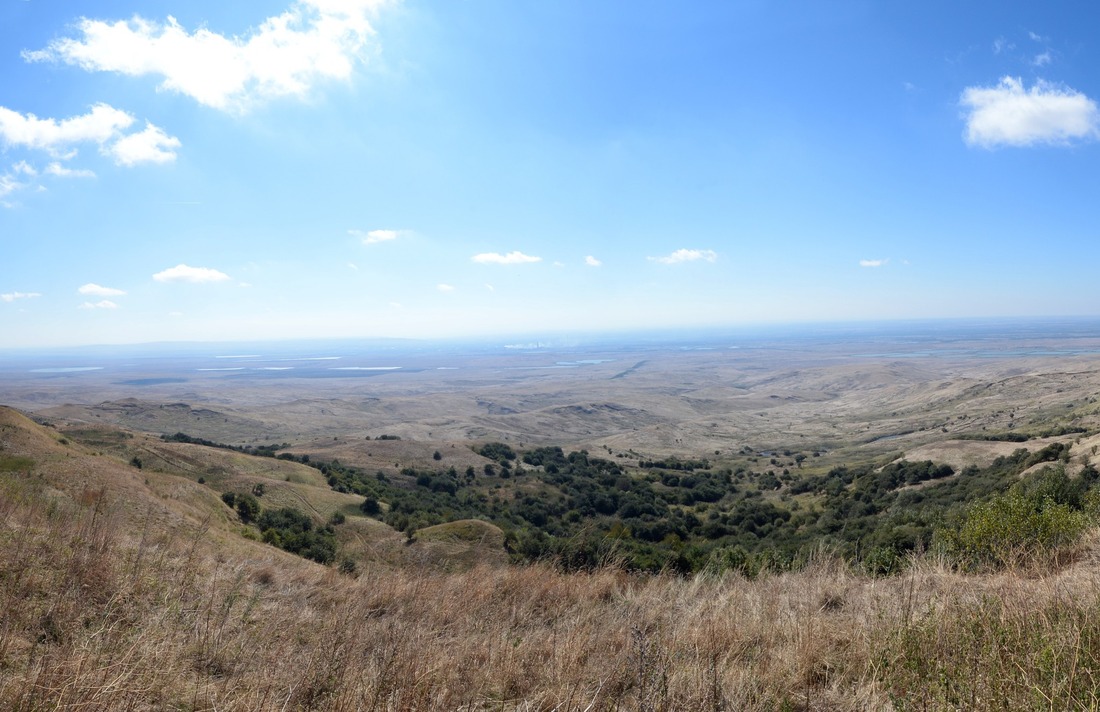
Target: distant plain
<point>851,390</point>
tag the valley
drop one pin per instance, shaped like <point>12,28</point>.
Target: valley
<point>792,486</point>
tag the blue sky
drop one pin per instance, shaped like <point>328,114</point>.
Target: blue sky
<point>373,168</point>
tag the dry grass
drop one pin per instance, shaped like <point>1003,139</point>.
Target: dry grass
<point>100,617</point>
<point>128,590</point>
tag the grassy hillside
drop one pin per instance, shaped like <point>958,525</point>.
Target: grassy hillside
<point>745,510</point>
<point>127,588</point>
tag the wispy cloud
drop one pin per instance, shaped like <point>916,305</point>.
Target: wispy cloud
<point>592,261</point>
<point>56,169</point>
<point>1042,59</point>
<point>873,263</point>
<point>195,275</point>
<point>285,55</point>
<point>685,255</point>
<point>103,125</point>
<point>444,287</point>
<point>92,289</point>
<point>104,304</point>
<point>12,296</point>
<point>512,258</point>
<point>1010,115</point>
<point>8,184</point>
<point>1002,45</point>
<point>24,168</point>
<point>373,237</point>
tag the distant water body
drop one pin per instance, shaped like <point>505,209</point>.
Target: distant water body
<point>67,369</point>
<point>917,339</point>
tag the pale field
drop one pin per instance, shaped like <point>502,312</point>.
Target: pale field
<point>849,399</point>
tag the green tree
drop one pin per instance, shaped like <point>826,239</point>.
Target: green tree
<point>247,507</point>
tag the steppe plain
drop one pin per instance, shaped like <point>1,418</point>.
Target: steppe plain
<point>854,392</point>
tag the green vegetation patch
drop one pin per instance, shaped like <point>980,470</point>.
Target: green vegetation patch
<point>688,515</point>
<point>293,531</point>
<point>258,450</point>
<point>497,451</point>
<point>15,463</point>
<point>1030,523</point>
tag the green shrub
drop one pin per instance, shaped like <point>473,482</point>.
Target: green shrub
<point>497,451</point>
<point>1012,529</point>
<point>247,507</point>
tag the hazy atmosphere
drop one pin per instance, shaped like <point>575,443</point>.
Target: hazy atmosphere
<point>364,168</point>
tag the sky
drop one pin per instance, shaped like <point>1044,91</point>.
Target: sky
<point>182,171</point>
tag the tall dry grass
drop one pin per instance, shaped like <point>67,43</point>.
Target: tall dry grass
<point>100,617</point>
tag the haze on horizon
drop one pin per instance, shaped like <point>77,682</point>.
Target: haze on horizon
<point>378,168</point>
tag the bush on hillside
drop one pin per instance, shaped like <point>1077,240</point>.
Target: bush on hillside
<point>1032,522</point>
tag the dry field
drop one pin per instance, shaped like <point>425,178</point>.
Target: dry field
<point>649,402</point>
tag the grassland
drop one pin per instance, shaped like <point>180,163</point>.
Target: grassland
<point>133,589</point>
<point>127,582</point>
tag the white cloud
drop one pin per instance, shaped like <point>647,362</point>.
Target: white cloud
<point>490,287</point>
<point>683,255</point>
<point>105,304</point>
<point>99,125</point>
<point>352,265</point>
<point>24,168</point>
<point>373,237</point>
<point>1042,60</point>
<point>873,263</point>
<point>103,125</point>
<point>183,273</point>
<point>1010,115</point>
<point>12,296</point>
<point>9,185</point>
<point>1001,45</point>
<point>93,289</point>
<point>444,287</point>
<point>1036,37</point>
<point>285,55</point>
<point>56,169</point>
<point>592,261</point>
<point>512,258</point>
<point>149,146</point>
